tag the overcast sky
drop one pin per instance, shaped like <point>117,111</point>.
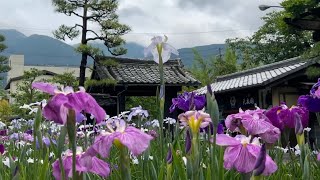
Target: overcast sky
<point>187,23</point>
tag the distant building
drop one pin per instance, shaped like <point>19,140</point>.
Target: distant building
<point>16,63</point>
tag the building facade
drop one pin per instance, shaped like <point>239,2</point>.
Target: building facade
<point>18,66</point>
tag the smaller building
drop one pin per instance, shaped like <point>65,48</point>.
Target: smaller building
<point>264,86</point>
<point>17,65</point>
<point>268,86</point>
<point>136,77</point>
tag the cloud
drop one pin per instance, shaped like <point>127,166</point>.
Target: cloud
<point>187,23</point>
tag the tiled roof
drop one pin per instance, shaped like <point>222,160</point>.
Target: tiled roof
<point>258,76</point>
<point>138,71</point>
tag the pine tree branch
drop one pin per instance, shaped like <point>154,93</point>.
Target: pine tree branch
<point>75,2</point>
<point>89,30</point>
<point>95,38</point>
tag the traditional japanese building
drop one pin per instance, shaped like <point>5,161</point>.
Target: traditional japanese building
<point>264,86</point>
<point>135,77</point>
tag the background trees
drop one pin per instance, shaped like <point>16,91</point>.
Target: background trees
<point>3,59</point>
<point>101,14</point>
<point>275,40</point>
<point>206,70</point>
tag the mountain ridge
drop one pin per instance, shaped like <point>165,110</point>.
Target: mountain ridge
<point>45,50</point>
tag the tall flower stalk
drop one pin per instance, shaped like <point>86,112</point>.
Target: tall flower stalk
<point>161,52</point>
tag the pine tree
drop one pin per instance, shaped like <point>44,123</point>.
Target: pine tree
<point>99,12</point>
<point>3,59</point>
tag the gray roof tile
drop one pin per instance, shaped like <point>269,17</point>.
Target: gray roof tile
<point>259,76</point>
<point>135,71</point>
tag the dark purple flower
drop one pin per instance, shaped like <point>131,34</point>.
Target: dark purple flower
<point>188,142</point>
<point>315,90</point>
<point>30,131</point>
<point>261,161</point>
<point>2,149</point>
<point>242,154</point>
<point>282,116</point>
<point>134,139</point>
<point>169,156</point>
<point>187,101</point>
<point>220,128</point>
<point>3,132</point>
<point>58,107</point>
<point>311,101</point>
<point>153,133</point>
<point>83,164</point>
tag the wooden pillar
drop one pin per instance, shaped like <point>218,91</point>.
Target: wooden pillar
<point>121,103</point>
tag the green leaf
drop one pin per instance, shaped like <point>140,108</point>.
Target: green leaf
<point>178,165</point>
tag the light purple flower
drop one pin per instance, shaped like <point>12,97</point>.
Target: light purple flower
<point>137,111</point>
<point>58,107</point>
<point>188,101</point>
<point>120,135</point>
<point>83,164</point>
<point>318,157</point>
<point>242,153</point>
<point>166,49</point>
<point>254,122</point>
<point>195,120</point>
<point>259,125</point>
<point>21,136</point>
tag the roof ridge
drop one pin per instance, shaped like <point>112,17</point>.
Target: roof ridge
<point>140,61</point>
<point>264,67</point>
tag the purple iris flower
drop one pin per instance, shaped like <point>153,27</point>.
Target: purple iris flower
<point>45,141</point>
<point>58,107</point>
<point>120,134</point>
<point>2,149</point>
<point>3,132</point>
<point>282,116</point>
<point>137,111</point>
<point>315,90</point>
<point>95,165</point>
<point>188,101</point>
<point>259,125</point>
<point>21,136</point>
<point>169,156</point>
<point>195,120</point>
<point>242,153</point>
<point>255,123</point>
<point>311,101</point>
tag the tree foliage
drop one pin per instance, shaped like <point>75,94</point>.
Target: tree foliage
<point>98,13</point>
<point>4,67</point>
<point>65,79</point>
<point>206,70</point>
<point>274,41</point>
<point>25,94</point>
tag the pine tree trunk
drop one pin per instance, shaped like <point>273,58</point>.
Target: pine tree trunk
<point>84,57</point>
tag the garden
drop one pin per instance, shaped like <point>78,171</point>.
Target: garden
<point>69,136</point>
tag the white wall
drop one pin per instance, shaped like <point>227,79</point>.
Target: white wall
<point>16,63</point>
